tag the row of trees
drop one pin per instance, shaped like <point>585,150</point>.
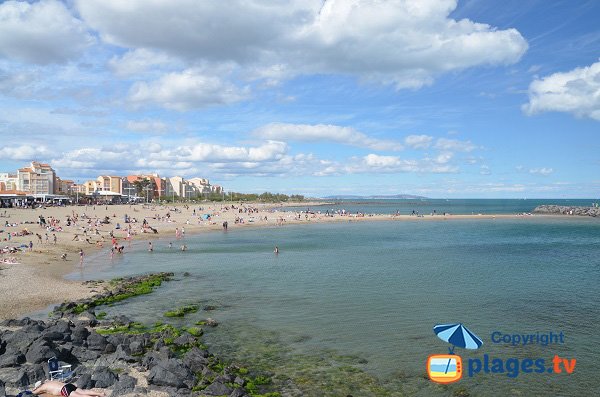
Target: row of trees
<point>145,187</point>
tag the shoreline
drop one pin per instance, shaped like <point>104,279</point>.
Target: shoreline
<point>38,280</point>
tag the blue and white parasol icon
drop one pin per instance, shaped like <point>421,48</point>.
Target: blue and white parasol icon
<point>457,335</point>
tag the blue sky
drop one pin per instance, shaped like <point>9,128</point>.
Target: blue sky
<point>438,98</point>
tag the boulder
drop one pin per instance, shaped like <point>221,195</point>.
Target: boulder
<point>95,341</point>
<point>40,351</point>
<point>79,335</point>
<point>238,393</point>
<point>125,385</point>
<point>2,389</point>
<point>171,373</point>
<point>217,389</point>
<point>85,381</point>
<point>11,360</point>
<point>104,377</point>
<point>195,359</point>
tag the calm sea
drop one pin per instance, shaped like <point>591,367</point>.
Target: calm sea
<point>451,206</point>
<point>349,308</point>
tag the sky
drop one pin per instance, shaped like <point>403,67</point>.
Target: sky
<point>440,98</point>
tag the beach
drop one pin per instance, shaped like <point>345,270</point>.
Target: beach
<point>36,280</point>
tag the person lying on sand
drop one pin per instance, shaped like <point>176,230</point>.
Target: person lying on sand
<point>56,388</point>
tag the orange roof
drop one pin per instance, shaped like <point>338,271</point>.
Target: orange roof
<point>17,192</point>
<point>25,169</point>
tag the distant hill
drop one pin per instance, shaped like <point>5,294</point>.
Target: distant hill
<point>377,197</point>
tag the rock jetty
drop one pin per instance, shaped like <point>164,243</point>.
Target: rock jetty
<point>119,355</point>
<point>567,210</point>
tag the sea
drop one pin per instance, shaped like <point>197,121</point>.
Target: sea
<point>349,308</point>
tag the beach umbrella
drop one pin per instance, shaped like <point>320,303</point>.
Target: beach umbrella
<point>457,335</point>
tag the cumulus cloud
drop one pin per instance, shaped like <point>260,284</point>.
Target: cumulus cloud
<point>576,92</point>
<point>541,171</point>
<point>374,163</point>
<point>23,152</point>
<point>138,61</point>
<point>190,89</point>
<point>153,157</point>
<point>324,132</point>
<point>43,32</point>
<point>418,141</point>
<point>405,43</point>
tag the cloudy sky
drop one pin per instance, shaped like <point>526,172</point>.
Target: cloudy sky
<point>443,98</point>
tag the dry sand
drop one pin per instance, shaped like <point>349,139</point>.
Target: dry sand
<point>37,280</point>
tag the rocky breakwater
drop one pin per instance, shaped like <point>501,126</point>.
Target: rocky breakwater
<point>119,355</point>
<point>567,210</point>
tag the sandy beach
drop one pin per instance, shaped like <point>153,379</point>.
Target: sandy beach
<point>36,278</point>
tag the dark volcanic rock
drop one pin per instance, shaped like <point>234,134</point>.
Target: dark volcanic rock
<point>125,385</point>
<point>40,351</point>
<point>217,389</point>
<point>95,341</point>
<point>196,359</point>
<point>85,381</point>
<point>171,373</point>
<point>104,377</point>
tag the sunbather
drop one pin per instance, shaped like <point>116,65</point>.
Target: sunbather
<point>56,388</point>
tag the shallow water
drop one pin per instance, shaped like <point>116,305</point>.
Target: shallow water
<point>349,308</point>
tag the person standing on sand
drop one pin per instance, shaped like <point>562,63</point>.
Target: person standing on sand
<point>30,245</point>
<point>54,238</point>
<point>81,256</point>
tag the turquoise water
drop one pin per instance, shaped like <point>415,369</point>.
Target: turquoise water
<point>349,308</point>
<point>452,206</point>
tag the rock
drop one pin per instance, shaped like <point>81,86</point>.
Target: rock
<point>239,381</point>
<point>171,373</point>
<point>211,322</point>
<point>136,347</point>
<point>126,384</point>
<point>195,359</point>
<point>104,377</point>
<point>95,341</point>
<point>42,350</point>
<point>85,381</point>
<point>2,389</point>
<point>11,360</point>
<point>87,319</point>
<point>217,389</point>
<point>83,355</point>
<point>238,393</point>
<point>79,335</point>
<point>184,339</point>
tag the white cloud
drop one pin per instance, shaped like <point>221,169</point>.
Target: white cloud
<point>541,171</point>
<point>402,42</point>
<point>190,89</point>
<point>139,61</point>
<point>324,132</point>
<point>418,141</point>
<point>454,145</point>
<point>147,125</point>
<point>42,32</point>
<point>576,92</point>
<point>23,152</point>
<point>485,170</point>
<point>373,163</point>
